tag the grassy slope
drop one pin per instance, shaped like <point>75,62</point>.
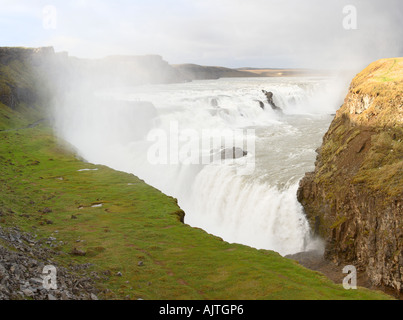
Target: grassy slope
<point>137,223</point>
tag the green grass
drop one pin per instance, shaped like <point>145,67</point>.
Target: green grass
<point>10,119</point>
<point>138,223</point>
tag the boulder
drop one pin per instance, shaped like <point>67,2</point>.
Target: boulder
<point>233,153</point>
<point>261,104</point>
<point>269,96</point>
<point>214,103</point>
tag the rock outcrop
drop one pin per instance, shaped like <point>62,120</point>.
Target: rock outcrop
<point>354,198</point>
<point>269,97</point>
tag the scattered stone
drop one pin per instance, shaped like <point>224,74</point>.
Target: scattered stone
<point>3,272</point>
<point>36,281</point>
<point>28,292</point>
<point>140,264</point>
<point>22,265</point>
<point>64,296</point>
<point>51,297</point>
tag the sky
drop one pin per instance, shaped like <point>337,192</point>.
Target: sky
<point>231,33</point>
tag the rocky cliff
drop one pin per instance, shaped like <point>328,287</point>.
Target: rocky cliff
<point>354,198</point>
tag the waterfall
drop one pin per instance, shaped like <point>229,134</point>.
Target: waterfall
<point>259,208</point>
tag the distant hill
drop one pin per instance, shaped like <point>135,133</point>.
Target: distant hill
<point>282,72</point>
<point>197,72</point>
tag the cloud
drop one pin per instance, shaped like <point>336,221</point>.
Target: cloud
<point>221,32</point>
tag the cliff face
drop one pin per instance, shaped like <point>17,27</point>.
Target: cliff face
<point>354,198</point>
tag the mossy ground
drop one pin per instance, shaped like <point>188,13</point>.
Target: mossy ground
<point>42,189</point>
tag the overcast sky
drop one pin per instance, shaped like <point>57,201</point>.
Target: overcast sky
<point>232,33</point>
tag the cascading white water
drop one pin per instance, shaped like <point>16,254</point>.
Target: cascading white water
<point>258,209</point>
<point>255,214</point>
